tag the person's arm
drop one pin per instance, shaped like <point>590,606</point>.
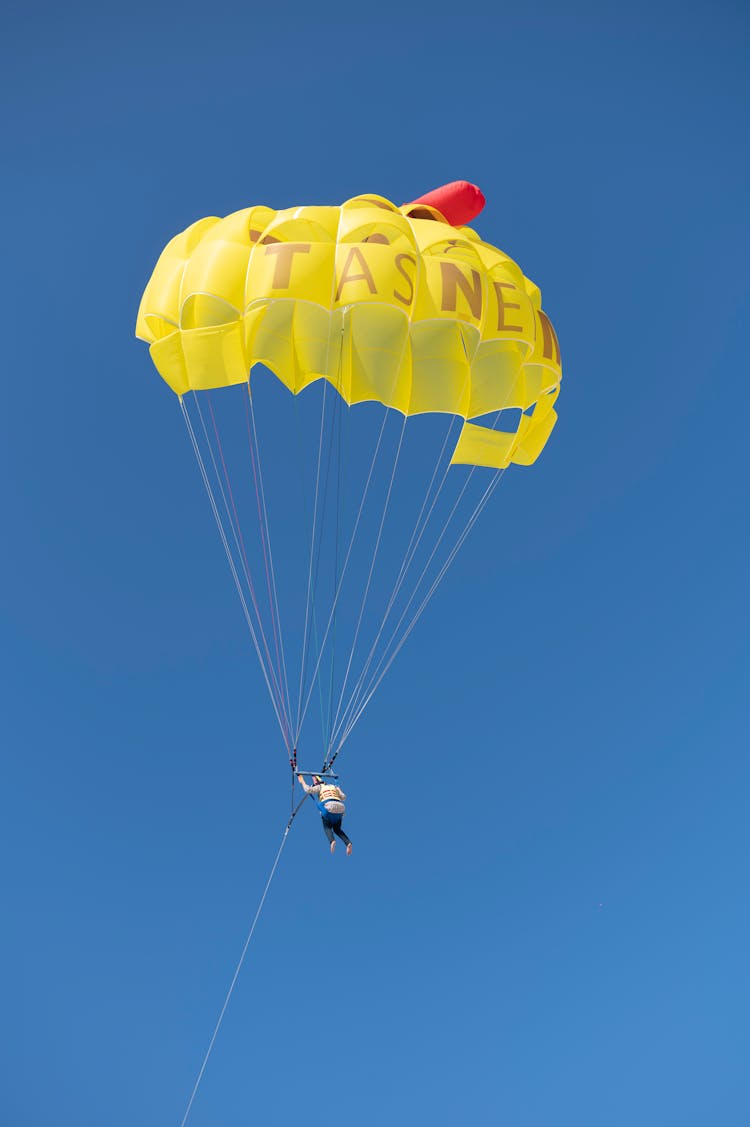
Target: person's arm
<point>303,784</point>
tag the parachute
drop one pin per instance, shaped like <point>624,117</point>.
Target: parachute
<point>371,315</point>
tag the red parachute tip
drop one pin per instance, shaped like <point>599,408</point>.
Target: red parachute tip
<point>459,202</point>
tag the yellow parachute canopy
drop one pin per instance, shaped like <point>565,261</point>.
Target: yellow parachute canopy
<point>399,308</point>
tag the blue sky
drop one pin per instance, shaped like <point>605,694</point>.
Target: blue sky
<point>548,925</point>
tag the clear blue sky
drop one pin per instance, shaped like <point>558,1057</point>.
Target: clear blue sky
<point>565,945</point>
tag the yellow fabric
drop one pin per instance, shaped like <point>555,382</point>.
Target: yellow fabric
<point>413,313</point>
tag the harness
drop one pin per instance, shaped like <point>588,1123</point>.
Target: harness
<point>329,794</point>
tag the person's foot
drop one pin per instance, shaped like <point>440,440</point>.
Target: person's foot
<point>333,846</point>
<point>349,849</point>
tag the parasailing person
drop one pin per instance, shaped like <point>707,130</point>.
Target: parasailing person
<point>329,799</point>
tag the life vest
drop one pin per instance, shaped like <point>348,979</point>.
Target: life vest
<point>328,793</point>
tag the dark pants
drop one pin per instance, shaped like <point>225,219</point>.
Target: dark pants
<point>332,825</point>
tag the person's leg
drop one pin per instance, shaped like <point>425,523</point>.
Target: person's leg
<point>340,833</point>
<point>328,831</point>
